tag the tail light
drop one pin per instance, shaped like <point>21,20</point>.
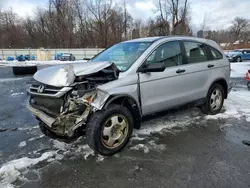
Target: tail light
<point>248,71</point>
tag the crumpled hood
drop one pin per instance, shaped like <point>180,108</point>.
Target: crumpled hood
<point>64,75</point>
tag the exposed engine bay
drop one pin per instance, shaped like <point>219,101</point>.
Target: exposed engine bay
<point>65,109</point>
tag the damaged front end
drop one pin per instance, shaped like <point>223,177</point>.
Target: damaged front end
<point>64,109</point>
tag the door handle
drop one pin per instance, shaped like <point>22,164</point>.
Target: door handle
<point>180,71</point>
<point>210,66</point>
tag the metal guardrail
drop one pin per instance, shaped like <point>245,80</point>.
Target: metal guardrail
<point>79,53</point>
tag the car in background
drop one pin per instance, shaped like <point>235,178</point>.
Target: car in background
<point>238,55</point>
<point>67,57</point>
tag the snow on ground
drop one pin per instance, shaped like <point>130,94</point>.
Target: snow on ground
<point>239,69</point>
<point>32,63</point>
<point>17,94</point>
<point>22,144</point>
<point>2,80</point>
<point>10,171</point>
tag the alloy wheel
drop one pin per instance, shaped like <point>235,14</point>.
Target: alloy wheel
<point>115,131</point>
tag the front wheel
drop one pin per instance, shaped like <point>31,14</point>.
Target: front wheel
<point>108,131</point>
<point>215,100</point>
<point>238,59</point>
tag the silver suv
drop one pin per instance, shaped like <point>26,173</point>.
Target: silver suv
<point>108,96</point>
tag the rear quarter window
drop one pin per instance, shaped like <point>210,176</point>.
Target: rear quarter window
<point>215,53</point>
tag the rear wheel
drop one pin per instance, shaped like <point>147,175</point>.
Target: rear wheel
<point>215,100</point>
<point>108,131</point>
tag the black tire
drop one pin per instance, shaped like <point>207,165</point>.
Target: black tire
<point>207,108</point>
<point>46,131</point>
<point>238,59</point>
<point>96,123</point>
<point>22,70</point>
<point>248,85</point>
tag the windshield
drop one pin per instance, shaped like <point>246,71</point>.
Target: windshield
<point>123,55</point>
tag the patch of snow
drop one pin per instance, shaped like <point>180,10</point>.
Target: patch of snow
<point>50,160</point>
<point>239,69</point>
<point>100,158</point>
<point>22,144</point>
<point>11,170</point>
<point>16,94</point>
<point>28,128</point>
<point>160,147</point>
<point>36,138</point>
<point>117,155</point>
<point>140,147</point>
<point>59,157</point>
<point>159,126</point>
<point>225,115</point>
<point>60,145</point>
<point>86,150</point>
<point>225,125</point>
<point>90,153</point>
<point>136,137</point>
<point>11,79</point>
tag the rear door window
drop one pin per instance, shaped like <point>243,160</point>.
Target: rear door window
<point>195,52</point>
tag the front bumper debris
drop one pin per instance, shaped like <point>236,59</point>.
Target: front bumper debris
<point>67,122</point>
<point>41,115</point>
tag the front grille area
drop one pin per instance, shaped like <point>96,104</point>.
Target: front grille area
<point>44,89</point>
<point>50,106</point>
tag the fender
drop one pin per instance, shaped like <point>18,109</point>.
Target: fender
<point>131,104</point>
<point>224,85</point>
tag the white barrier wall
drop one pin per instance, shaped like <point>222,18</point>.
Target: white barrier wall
<point>79,53</point>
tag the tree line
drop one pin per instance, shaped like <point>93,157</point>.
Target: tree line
<point>99,23</point>
<point>89,23</point>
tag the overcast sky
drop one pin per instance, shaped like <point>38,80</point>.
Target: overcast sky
<point>220,13</point>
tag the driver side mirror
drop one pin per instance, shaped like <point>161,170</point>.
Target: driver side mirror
<point>153,67</point>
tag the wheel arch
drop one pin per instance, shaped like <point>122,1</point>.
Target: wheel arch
<point>130,103</point>
<point>223,83</point>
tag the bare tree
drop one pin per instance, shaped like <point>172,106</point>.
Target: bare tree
<point>240,28</point>
<point>174,14</point>
<point>100,12</point>
<point>164,9</point>
<point>88,23</point>
<point>205,21</point>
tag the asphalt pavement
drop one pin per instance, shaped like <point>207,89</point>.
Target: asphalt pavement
<point>176,148</point>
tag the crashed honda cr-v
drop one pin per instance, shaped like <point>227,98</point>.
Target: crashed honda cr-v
<point>108,96</point>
